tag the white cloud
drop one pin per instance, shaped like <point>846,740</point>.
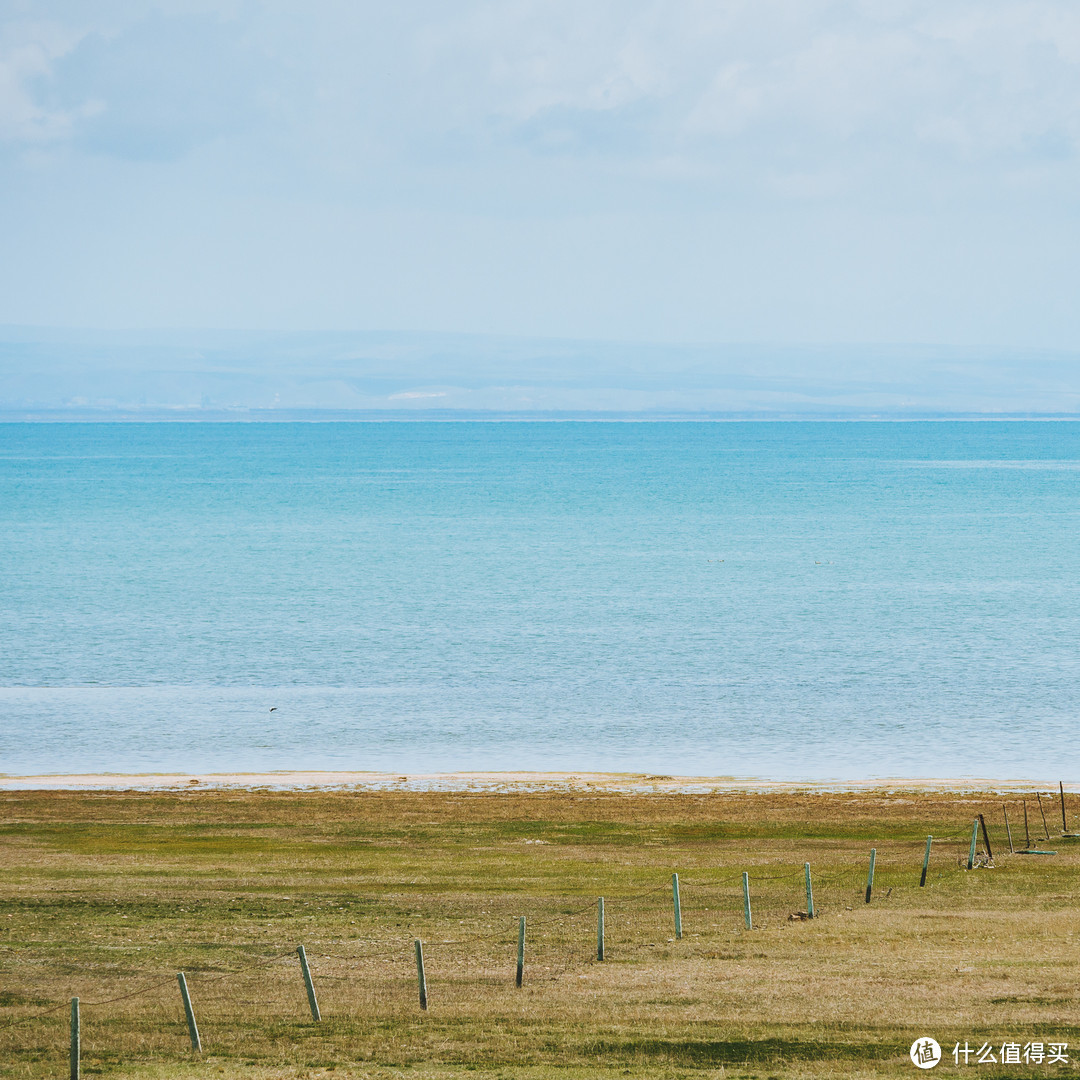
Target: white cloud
<point>679,167</point>
<point>799,79</point>
<point>772,87</point>
<point>28,52</point>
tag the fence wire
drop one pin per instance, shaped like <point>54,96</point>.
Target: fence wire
<point>558,943</point>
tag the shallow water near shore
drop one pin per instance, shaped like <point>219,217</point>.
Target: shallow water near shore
<point>790,600</point>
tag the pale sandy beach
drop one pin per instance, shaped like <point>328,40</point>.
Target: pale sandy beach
<point>500,781</point>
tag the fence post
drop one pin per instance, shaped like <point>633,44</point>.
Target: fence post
<point>315,1015</point>
<point>1008,830</point>
<point>1027,832</point>
<point>678,906</point>
<point>1046,828</point>
<point>870,875</point>
<point>521,951</point>
<point>809,892</point>
<point>193,1028</point>
<point>986,838</point>
<point>76,1045</point>
<point>974,839</point>
<point>746,901</point>
<point>599,928</point>
<point>925,862</point>
<point>420,973</point>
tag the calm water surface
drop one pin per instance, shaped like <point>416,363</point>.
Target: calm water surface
<point>793,600</point>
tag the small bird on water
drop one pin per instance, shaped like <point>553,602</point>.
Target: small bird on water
<point>274,709</point>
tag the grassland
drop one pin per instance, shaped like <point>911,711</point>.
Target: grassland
<point>106,895</point>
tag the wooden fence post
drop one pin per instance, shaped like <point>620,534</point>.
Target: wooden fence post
<point>870,875</point>
<point>1064,823</point>
<point>1027,832</point>
<point>746,901</point>
<point>420,973</point>
<point>678,906</point>
<point>193,1028</point>
<point>986,838</point>
<point>925,862</point>
<point>315,1015</point>
<point>1008,829</point>
<point>76,1040</point>
<point>974,840</point>
<point>599,928</point>
<point>1046,828</point>
<point>809,892</point>
<point>521,952</point>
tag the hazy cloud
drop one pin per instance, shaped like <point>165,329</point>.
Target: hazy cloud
<point>157,88</point>
<point>772,85</point>
<point>28,52</point>
<point>905,168</point>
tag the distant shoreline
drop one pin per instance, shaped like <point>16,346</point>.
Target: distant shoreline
<point>196,415</point>
<point>493,782</point>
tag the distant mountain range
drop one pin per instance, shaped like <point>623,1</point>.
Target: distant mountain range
<point>251,375</point>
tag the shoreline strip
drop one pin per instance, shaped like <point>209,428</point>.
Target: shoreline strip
<point>494,782</point>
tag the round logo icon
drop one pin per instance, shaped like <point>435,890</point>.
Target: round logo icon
<point>925,1053</point>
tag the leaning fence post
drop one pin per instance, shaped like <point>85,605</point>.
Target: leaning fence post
<point>521,951</point>
<point>870,875</point>
<point>974,839</point>
<point>193,1028</point>
<point>925,862</point>
<point>746,901</point>
<point>599,928</point>
<point>986,838</point>
<point>75,1039</point>
<point>1046,828</point>
<point>1008,830</point>
<point>678,906</point>
<point>1064,823</point>
<point>809,892</point>
<point>420,973</point>
<point>308,983</point>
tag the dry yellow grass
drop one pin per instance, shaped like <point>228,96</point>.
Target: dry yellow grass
<point>105,894</point>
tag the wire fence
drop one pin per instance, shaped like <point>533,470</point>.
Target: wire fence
<point>560,933</point>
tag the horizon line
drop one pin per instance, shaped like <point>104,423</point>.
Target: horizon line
<point>196,414</point>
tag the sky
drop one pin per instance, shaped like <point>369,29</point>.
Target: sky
<point>768,171</point>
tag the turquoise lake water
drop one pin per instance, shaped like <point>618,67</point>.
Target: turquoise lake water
<point>791,600</point>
